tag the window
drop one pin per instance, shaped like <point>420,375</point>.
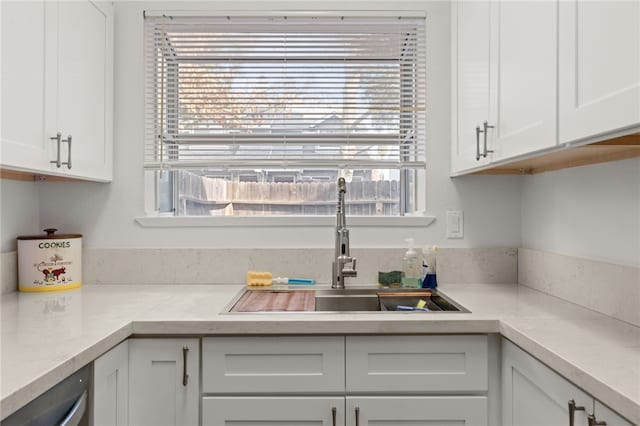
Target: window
<point>259,116</point>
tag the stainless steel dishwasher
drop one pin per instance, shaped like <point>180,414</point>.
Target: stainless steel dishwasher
<point>65,404</point>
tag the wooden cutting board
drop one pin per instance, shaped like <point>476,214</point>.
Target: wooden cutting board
<point>276,301</point>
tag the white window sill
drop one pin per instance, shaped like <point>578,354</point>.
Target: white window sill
<point>282,221</point>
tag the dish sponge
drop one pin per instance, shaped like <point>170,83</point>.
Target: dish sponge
<point>390,279</point>
<point>259,279</point>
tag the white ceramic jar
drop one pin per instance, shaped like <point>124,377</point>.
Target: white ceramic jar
<point>49,262</point>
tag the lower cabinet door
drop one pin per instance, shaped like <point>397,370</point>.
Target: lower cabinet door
<point>111,387</point>
<point>534,395</point>
<point>417,410</point>
<point>164,385</point>
<point>270,411</point>
<point>605,414</point>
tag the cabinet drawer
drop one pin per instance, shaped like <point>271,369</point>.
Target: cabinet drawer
<point>416,410</point>
<point>273,364</point>
<point>270,411</point>
<point>416,363</point>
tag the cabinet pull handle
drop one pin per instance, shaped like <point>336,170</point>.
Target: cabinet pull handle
<point>591,419</point>
<point>68,141</point>
<point>58,139</point>
<point>478,131</point>
<point>572,411</point>
<point>333,415</point>
<point>358,416</point>
<point>185,376</point>
<point>486,151</point>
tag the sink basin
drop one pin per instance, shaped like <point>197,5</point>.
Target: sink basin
<point>347,300</point>
<point>386,300</point>
<point>370,300</point>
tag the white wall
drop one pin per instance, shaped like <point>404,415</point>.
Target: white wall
<point>19,211</point>
<point>591,211</point>
<point>105,213</point>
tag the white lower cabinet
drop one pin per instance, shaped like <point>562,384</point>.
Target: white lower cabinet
<point>269,411</point>
<point>417,410</point>
<point>111,387</point>
<point>335,381</point>
<point>381,380</point>
<point>284,364</point>
<point>417,363</point>
<point>534,395</point>
<point>164,382</point>
<point>603,413</point>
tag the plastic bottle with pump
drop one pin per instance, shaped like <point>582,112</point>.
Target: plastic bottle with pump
<point>411,267</point>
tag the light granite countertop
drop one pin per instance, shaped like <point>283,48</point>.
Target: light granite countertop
<point>46,337</point>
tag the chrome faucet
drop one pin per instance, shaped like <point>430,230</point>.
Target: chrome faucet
<point>342,258</point>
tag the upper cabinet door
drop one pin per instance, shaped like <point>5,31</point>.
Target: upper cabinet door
<point>523,77</point>
<point>470,83</point>
<point>599,68</point>
<point>25,146</point>
<point>84,88</point>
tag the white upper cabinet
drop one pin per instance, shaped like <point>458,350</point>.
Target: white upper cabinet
<point>523,77</point>
<point>24,143</point>
<point>542,74</point>
<point>85,68</point>
<point>57,77</point>
<point>599,69</point>
<point>504,80</point>
<point>470,49</point>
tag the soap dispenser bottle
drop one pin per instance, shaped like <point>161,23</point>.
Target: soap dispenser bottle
<point>411,267</point>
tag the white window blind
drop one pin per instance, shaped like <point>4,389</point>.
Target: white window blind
<point>232,92</point>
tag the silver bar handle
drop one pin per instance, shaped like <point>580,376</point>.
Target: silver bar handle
<point>76,412</point>
<point>185,376</point>
<point>478,131</point>
<point>591,419</point>
<point>334,411</point>
<point>572,411</point>
<point>486,151</point>
<point>68,141</point>
<point>358,416</point>
<point>58,139</point>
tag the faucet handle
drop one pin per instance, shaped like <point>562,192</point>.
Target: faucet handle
<point>350,272</point>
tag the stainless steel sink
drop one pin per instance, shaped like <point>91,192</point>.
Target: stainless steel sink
<point>374,299</point>
<point>347,300</point>
<point>385,300</point>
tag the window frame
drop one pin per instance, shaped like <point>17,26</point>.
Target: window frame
<point>418,219</point>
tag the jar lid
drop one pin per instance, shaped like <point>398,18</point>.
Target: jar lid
<point>50,236</point>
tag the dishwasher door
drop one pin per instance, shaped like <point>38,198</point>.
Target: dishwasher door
<point>65,404</point>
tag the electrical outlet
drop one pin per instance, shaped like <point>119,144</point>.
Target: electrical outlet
<point>455,224</point>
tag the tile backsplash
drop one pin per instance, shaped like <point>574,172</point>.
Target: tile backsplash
<point>216,266</point>
<point>608,288</point>
<point>611,289</point>
<point>8,272</point>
